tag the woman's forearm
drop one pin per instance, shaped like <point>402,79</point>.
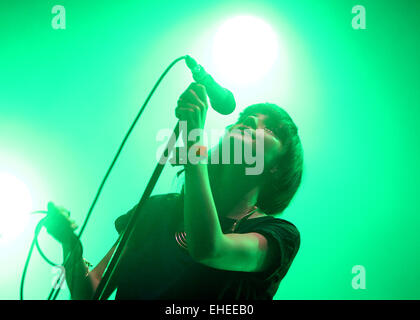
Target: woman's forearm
<point>78,279</point>
<point>200,215</point>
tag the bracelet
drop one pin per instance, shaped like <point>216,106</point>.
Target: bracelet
<point>197,154</point>
<point>194,155</point>
<point>201,151</point>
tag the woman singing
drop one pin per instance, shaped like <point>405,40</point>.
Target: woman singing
<point>218,238</point>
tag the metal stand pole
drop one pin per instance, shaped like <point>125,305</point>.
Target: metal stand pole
<point>102,292</point>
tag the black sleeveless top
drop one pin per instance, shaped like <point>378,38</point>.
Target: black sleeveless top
<point>155,266</point>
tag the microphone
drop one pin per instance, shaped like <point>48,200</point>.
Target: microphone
<point>221,99</point>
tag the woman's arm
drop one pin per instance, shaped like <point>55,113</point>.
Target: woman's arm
<point>200,216</point>
<point>77,275</point>
<point>206,242</point>
<point>82,283</point>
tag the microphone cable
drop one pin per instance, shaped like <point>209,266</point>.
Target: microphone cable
<point>54,292</point>
<point>31,248</point>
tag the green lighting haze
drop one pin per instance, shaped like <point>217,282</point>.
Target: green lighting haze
<point>67,97</point>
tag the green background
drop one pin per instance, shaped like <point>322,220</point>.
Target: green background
<point>68,96</point>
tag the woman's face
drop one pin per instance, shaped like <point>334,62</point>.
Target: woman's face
<point>257,133</point>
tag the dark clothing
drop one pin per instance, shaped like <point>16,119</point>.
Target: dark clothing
<point>159,268</point>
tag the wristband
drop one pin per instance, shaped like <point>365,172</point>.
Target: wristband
<point>194,155</point>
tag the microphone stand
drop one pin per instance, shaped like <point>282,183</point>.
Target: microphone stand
<point>103,290</point>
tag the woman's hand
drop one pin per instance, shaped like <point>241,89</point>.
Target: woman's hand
<point>192,107</point>
<point>59,224</point>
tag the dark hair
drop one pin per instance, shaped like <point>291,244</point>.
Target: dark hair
<point>282,185</point>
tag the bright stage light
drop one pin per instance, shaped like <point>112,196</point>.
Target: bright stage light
<point>15,206</point>
<point>244,49</point>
